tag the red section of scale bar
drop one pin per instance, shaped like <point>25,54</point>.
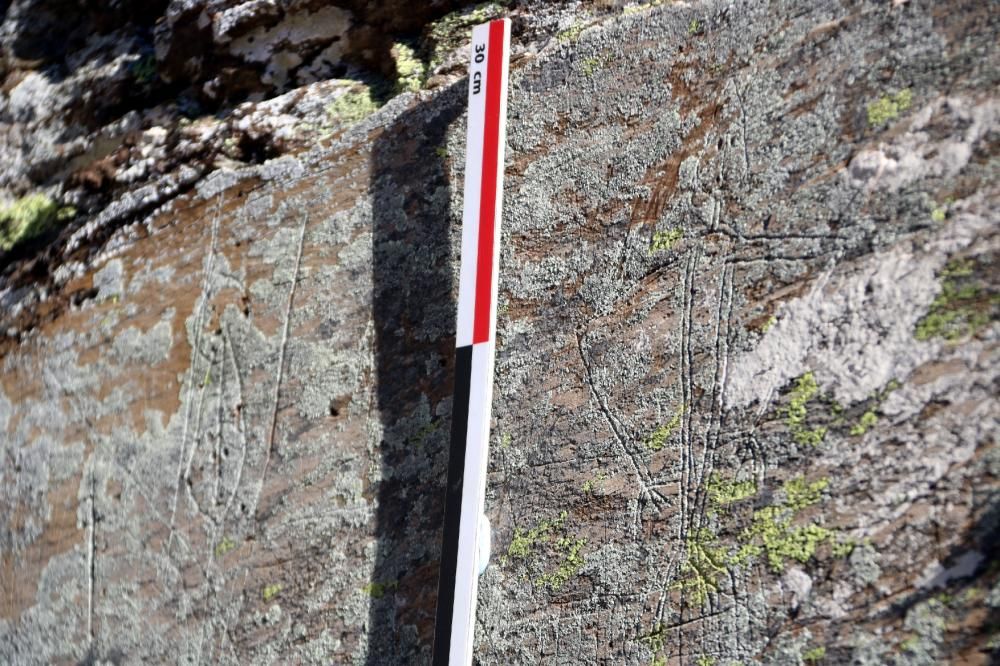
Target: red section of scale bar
<point>488,193</point>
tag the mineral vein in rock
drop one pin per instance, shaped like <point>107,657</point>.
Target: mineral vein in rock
<point>475,342</point>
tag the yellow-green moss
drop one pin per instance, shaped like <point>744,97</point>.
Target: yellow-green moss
<point>452,30</point>
<point>410,71</point>
<point>589,66</point>
<point>665,240</point>
<point>705,660</point>
<point>694,27</point>
<point>28,217</point>
<point>658,439</point>
<point>939,214</point>
<point>270,592</point>
<point>888,107</point>
<point>353,106</point>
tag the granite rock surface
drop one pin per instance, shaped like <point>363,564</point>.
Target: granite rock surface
<point>746,387</point>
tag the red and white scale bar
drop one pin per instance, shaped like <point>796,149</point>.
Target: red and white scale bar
<point>477,313</point>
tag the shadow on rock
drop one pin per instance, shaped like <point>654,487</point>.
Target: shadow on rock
<point>414,348</point>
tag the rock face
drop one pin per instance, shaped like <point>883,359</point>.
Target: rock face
<point>746,395</point>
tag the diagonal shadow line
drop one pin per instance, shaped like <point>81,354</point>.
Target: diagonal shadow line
<point>414,312</point>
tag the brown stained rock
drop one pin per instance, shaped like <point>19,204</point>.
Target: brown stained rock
<point>717,437</point>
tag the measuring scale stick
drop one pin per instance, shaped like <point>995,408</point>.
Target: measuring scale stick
<point>465,549</point>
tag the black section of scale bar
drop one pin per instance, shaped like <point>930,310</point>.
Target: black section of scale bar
<point>453,505</point>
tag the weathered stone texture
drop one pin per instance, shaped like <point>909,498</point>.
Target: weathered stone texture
<point>746,388</point>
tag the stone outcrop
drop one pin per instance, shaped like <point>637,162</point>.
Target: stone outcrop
<point>746,395</point>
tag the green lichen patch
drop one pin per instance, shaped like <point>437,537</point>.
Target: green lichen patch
<point>224,546</point>
<point>570,563</point>
<point>800,493</point>
<point>704,564</point>
<point>353,105</point>
<point>805,390</point>
<point>377,590</point>
<point>814,655</point>
<point>868,418</point>
<point>641,7</point>
<point>523,542</point>
<point>590,485</point>
<point>656,638</point>
<point>783,541</point>
<point>452,30</point>
<point>144,70</point>
<point>926,623</point>
<point>967,302</point>
<point>29,217</point>
<point>548,550</point>
<point>665,240</point>
<point>723,492</point>
<point>270,591</point>
<point>775,531</point>
<point>425,431</point>
<point>658,438</point>
<point>571,34</point>
<point>865,423</point>
<point>888,107</point>
<point>843,547</point>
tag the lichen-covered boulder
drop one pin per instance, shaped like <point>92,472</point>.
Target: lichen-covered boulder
<point>746,388</point>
